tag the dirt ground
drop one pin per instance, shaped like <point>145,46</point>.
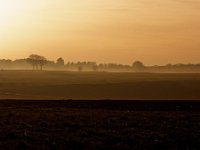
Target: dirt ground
<point>99,125</point>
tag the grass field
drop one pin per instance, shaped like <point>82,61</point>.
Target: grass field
<point>98,85</point>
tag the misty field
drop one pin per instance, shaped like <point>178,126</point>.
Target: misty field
<point>98,85</point>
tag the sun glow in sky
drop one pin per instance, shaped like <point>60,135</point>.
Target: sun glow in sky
<point>153,31</point>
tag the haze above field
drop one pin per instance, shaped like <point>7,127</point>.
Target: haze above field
<point>153,31</point>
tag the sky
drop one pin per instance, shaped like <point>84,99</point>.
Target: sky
<point>118,31</point>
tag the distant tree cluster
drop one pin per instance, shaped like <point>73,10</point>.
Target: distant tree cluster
<point>87,66</point>
<point>38,62</point>
<point>114,67</point>
<point>179,68</point>
<point>16,64</point>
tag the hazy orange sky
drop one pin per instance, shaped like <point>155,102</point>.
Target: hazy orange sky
<point>153,31</point>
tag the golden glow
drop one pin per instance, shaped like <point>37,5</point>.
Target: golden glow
<point>153,31</point>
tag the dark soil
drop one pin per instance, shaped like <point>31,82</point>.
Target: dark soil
<point>100,125</point>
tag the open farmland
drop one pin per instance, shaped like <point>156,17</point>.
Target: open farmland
<point>98,85</point>
<point>36,111</point>
<point>94,125</point>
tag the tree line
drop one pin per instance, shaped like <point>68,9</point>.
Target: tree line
<point>38,62</point>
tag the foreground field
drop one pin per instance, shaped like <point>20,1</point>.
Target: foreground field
<point>98,85</point>
<point>100,125</point>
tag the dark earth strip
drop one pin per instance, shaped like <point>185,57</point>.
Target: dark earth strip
<point>95,125</point>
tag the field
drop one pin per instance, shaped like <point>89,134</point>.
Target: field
<point>99,110</point>
<point>94,125</point>
<point>57,85</point>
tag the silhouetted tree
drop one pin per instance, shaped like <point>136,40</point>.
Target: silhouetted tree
<point>36,61</point>
<point>138,66</point>
<point>60,61</point>
<point>42,61</point>
<point>32,59</point>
